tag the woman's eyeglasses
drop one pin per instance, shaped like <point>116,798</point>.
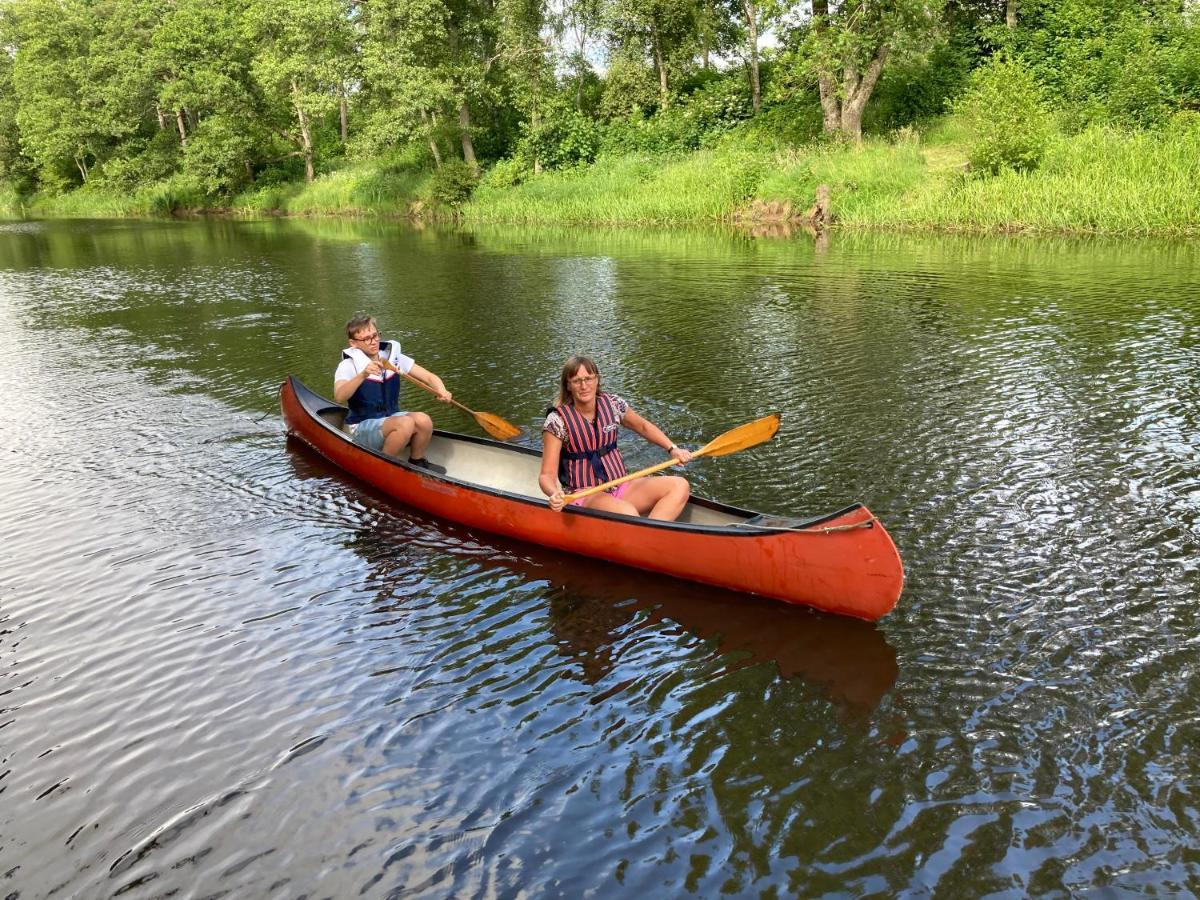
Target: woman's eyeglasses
<point>582,380</point>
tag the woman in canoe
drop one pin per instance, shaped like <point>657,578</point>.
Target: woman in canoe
<point>579,450</point>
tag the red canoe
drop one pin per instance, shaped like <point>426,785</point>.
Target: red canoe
<point>843,562</point>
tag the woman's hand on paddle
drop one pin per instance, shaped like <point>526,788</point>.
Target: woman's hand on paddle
<point>682,454</point>
<point>556,500</point>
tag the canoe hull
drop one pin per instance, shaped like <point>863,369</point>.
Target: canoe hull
<point>845,563</point>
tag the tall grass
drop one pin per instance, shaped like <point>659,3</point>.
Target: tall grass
<point>862,180</point>
<point>638,189</point>
<point>162,198</point>
<point>89,204</point>
<point>10,201</point>
<point>1101,182</point>
<point>367,189</point>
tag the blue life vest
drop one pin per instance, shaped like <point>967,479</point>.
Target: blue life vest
<point>375,399</point>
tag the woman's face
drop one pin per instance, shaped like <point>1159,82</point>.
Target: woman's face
<point>582,385</point>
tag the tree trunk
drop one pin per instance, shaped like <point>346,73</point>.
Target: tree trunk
<point>831,107</point>
<point>663,92</point>
<point>535,123</point>
<point>344,116</point>
<point>306,141</point>
<point>464,126</point>
<point>752,35</point>
<point>1010,13</point>
<point>431,122</point>
<point>857,92</point>
<point>181,124</point>
<point>162,118</point>
<point>82,165</point>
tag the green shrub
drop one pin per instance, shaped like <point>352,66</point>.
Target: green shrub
<point>562,137</point>
<point>1010,123</point>
<point>139,162</point>
<point>452,184</point>
<point>504,174</point>
<point>217,151</point>
<point>796,122</point>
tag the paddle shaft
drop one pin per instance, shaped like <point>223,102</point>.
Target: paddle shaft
<point>649,470</point>
<point>489,422</point>
<point>419,383</point>
<point>749,435</point>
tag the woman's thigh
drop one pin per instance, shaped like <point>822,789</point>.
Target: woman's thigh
<point>609,503</point>
<point>644,493</point>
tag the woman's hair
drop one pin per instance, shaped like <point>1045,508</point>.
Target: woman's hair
<point>568,372</point>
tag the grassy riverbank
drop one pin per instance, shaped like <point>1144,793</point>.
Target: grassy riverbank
<point>1100,181</point>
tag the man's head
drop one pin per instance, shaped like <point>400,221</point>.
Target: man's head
<point>363,332</point>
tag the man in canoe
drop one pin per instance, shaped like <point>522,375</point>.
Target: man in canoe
<point>368,381</point>
<point>579,450</point>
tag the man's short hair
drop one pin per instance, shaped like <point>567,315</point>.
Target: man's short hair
<point>357,324</point>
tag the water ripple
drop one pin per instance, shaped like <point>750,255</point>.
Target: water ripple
<point>228,669</point>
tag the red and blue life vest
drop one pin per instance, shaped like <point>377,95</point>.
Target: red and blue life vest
<point>589,455</point>
<point>375,399</point>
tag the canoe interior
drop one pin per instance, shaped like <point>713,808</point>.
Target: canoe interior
<point>499,468</point>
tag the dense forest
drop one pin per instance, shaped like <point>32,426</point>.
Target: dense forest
<point>208,99</point>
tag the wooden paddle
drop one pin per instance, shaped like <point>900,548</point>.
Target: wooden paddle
<point>741,438</point>
<point>489,422</point>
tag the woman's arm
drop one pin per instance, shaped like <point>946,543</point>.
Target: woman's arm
<point>654,435</point>
<point>548,478</point>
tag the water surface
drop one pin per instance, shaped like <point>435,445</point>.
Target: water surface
<point>228,669</point>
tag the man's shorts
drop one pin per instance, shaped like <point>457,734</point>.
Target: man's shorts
<point>369,432</point>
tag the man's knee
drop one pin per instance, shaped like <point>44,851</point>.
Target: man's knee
<point>421,421</point>
<point>402,425</point>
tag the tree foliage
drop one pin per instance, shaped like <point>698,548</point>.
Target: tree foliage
<point>216,96</point>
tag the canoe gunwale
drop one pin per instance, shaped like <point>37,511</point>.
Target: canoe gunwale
<point>314,405</point>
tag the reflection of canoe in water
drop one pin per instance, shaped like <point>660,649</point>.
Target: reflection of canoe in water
<point>844,562</point>
<point>592,606</point>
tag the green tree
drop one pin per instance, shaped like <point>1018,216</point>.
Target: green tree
<point>49,75</point>
<point>1128,62</point>
<point>303,48</point>
<point>16,168</point>
<point>425,62</point>
<point>665,31</point>
<point>845,45</point>
<point>201,58</point>
<point>750,19</point>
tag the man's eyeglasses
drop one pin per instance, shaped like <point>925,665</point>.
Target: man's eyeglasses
<point>582,380</point>
<point>367,338</point>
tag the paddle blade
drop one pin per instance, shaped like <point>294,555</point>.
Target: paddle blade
<point>743,437</point>
<point>496,426</point>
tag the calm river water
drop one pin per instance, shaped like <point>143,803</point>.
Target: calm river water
<point>226,669</point>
